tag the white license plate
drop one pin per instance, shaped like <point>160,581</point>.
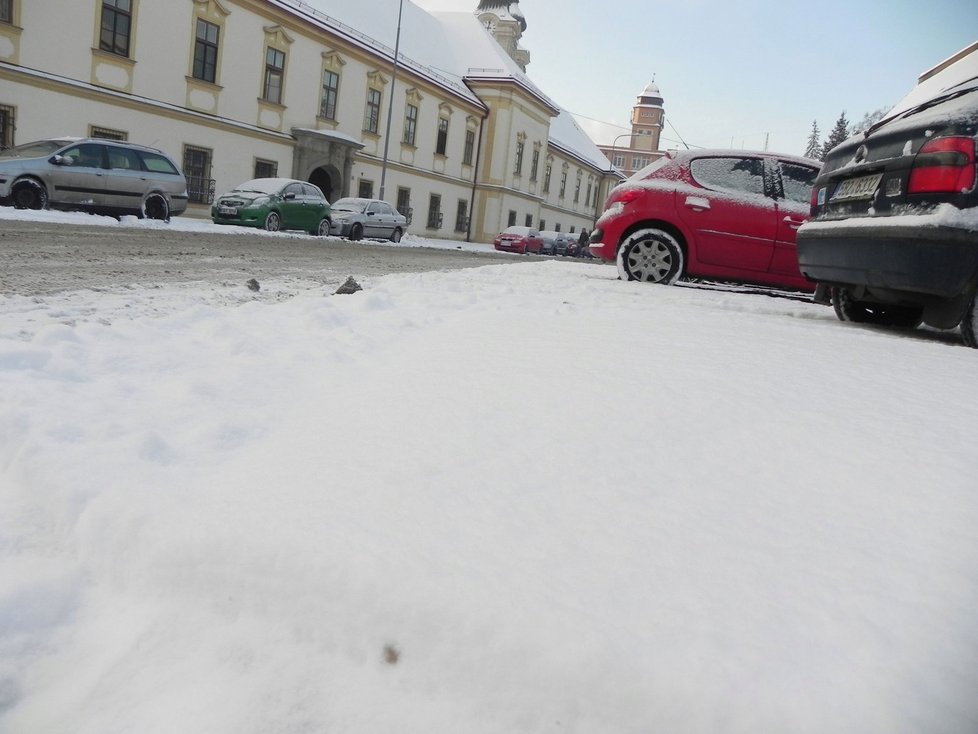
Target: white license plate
<point>228,210</point>
<point>858,188</point>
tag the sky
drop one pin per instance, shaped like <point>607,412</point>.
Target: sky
<point>740,74</point>
<point>523,498</point>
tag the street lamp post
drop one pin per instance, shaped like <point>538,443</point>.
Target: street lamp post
<point>614,143</point>
<point>390,101</point>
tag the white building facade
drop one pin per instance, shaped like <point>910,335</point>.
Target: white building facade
<point>237,89</point>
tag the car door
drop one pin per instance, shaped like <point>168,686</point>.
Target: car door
<point>732,220</point>
<point>126,181</point>
<point>295,213</point>
<point>316,204</point>
<point>386,219</point>
<point>373,225</point>
<point>80,178</point>
<point>794,204</point>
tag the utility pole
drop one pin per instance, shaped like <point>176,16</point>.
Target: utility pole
<point>390,101</point>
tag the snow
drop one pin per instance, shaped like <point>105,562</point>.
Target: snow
<point>943,215</point>
<point>525,497</point>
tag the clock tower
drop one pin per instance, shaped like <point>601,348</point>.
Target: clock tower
<point>505,22</point>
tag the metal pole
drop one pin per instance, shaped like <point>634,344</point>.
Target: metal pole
<point>390,102</point>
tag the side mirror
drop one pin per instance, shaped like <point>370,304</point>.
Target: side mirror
<point>62,160</point>
<point>289,197</point>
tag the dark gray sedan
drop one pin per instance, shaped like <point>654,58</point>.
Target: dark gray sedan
<point>358,218</point>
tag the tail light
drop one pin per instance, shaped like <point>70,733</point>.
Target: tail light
<point>944,166</point>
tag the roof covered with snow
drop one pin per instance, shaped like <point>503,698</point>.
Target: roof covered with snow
<point>449,48</point>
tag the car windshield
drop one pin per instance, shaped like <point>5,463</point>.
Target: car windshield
<point>262,185</point>
<point>33,150</point>
<point>350,205</point>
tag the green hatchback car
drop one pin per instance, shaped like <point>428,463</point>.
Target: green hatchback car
<point>274,204</point>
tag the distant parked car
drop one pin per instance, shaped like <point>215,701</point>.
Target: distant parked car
<point>716,214</point>
<point>356,218</point>
<point>89,174</point>
<point>893,238</point>
<point>274,204</point>
<point>523,240</point>
<point>554,243</point>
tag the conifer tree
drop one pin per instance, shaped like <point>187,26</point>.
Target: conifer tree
<point>839,133</point>
<point>814,147</point>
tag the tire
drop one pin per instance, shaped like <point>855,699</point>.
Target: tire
<point>29,194</point>
<point>969,324</point>
<point>356,232</point>
<point>859,312</point>
<point>155,206</point>
<point>322,230</point>
<point>273,222</point>
<point>651,256</point>
<point>396,235</point>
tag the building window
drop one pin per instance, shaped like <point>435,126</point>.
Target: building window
<point>106,134</point>
<point>512,218</point>
<point>116,27</point>
<point>639,161</point>
<point>577,189</point>
<point>534,164</point>
<point>434,212</point>
<point>469,147</point>
<point>274,75</point>
<point>529,220</point>
<point>563,183</point>
<point>6,11</point>
<point>518,168</point>
<point>546,178</point>
<point>331,89</point>
<point>410,124</point>
<point>462,216</point>
<point>6,127</point>
<point>404,202</point>
<point>205,51</point>
<point>442,145</point>
<point>371,116</point>
<point>197,169</point>
<point>543,225</point>
<point>557,228</point>
<point>619,160</point>
<point>365,189</point>
<point>265,169</point>
<point>587,201</point>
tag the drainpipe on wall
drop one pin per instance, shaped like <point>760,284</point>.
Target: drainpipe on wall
<point>475,181</point>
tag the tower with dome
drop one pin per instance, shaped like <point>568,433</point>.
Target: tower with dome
<point>632,151</point>
<point>505,21</point>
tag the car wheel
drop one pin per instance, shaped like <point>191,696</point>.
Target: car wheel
<point>356,232</point>
<point>322,230</point>
<point>859,312</point>
<point>969,324</point>
<point>29,194</point>
<point>273,222</point>
<point>396,235</point>
<point>155,207</point>
<point>652,256</point>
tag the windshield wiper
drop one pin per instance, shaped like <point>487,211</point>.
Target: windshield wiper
<point>925,105</point>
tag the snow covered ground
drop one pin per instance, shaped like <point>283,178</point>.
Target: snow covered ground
<point>520,498</point>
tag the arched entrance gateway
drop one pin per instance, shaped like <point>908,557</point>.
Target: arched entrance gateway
<point>324,158</point>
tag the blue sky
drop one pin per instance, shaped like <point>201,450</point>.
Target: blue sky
<point>735,73</point>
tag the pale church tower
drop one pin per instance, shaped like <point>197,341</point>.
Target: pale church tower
<point>648,117</point>
<point>505,21</point>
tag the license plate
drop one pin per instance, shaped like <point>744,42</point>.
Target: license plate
<point>228,210</point>
<point>858,188</point>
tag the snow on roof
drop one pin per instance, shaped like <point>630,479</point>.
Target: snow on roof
<point>450,46</point>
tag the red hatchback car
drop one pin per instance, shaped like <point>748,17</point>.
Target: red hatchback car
<point>716,214</point>
<point>523,240</point>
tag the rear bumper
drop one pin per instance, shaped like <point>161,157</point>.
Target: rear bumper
<point>936,260</point>
<point>600,248</point>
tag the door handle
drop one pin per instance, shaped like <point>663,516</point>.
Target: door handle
<point>793,223</point>
<point>697,203</point>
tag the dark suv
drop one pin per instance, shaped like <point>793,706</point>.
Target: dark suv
<point>893,234</point>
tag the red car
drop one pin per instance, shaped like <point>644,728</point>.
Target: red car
<point>716,214</point>
<point>519,239</point>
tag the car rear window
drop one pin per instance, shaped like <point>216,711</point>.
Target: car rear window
<point>158,163</point>
<point>644,173</point>
<point>735,174</point>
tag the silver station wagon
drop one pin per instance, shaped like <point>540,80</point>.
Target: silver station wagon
<point>105,176</point>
